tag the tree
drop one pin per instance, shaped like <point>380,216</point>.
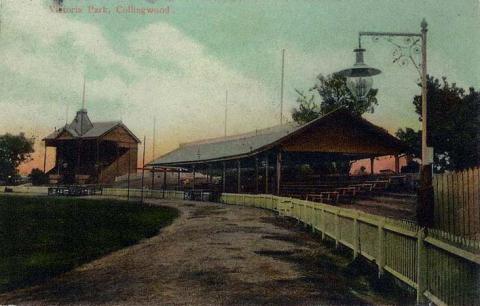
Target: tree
<point>307,110</point>
<point>14,150</point>
<point>333,93</point>
<point>453,125</point>
<point>38,177</point>
<point>413,139</point>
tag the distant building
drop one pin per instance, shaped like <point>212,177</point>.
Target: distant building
<point>92,152</point>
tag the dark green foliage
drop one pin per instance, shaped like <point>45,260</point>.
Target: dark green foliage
<point>453,125</point>
<point>333,93</point>
<point>307,110</point>
<point>14,150</point>
<point>42,236</point>
<point>38,177</point>
<point>413,139</point>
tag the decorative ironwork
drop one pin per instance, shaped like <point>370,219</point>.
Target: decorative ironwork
<point>406,49</point>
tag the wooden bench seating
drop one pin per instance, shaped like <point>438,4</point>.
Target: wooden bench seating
<point>379,185</point>
<point>363,188</point>
<point>341,192</point>
<point>331,197</point>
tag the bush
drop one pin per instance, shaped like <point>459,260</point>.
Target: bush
<point>38,177</point>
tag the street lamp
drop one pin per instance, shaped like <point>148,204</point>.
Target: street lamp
<point>359,77</point>
<point>359,81</point>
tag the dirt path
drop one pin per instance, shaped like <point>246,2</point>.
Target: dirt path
<point>212,254</point>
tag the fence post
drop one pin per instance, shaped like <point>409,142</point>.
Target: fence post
<point>311,216</point>
<point>337,229</point>
<point>322,223</point>
<point>301,213</point>
<point>381,247</point>
<point>298,212</point>
<point>305,215</point>
<point>421,267</point>
<point>314,218</point>
<point>356,238</point>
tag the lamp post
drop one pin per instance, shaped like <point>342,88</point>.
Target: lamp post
<point>359,81</point>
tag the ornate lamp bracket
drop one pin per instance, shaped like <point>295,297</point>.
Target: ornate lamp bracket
<point>407,47</point>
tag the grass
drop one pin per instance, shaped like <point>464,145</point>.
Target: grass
<point>41,237</point>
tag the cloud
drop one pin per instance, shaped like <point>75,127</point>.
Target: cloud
<point>192,98</point>
<point>170,76</point>
<point>159,71</point>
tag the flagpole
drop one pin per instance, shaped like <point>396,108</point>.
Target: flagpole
<point>281,86</point>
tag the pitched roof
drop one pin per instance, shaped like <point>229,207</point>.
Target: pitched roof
<point>219,148</point>
<point>81,123</point>
<point>82,127</point>
<point>243,145</point>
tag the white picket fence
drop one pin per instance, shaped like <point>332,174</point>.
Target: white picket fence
<point>442,268</point>
<point>427,261</point>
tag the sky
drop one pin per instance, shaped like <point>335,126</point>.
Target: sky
<point>176,65</point>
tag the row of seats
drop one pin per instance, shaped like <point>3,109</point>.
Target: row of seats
<point>345,192</point>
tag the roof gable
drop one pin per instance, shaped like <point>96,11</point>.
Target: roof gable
<point>82,128</point>
<point>343,132</point>
<point>251,143</point>
<point>120,133</point>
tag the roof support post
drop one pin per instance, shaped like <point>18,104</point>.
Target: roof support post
<point>209,176</point>
<point>397,164</point>
<point>372,160</point>
<point>224,176</point>
<point>164,181</point>
<point>97,163</point>
<point>193,179</point>
<point>256,175</point>
<point>279,171</point>
<point>266,174</point>
<point>58,159</point>
<point>116,161</point>
<point>143,165</point>
<point>77,166</point>
<point>129,170</point>
<point>239,177</point>
<point>178,179</point>
<point>45,157</point>
<point>153,178</point>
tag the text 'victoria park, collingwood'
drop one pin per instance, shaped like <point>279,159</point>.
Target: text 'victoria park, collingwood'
<point>119,9</point>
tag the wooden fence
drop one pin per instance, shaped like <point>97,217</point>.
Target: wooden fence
<point>442,268</point>
<point>457,202</point>
<point>427,261</point>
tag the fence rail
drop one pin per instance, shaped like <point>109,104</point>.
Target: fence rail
<point>457,202</point>
<point>439,271</point>
<point>441,268</point>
